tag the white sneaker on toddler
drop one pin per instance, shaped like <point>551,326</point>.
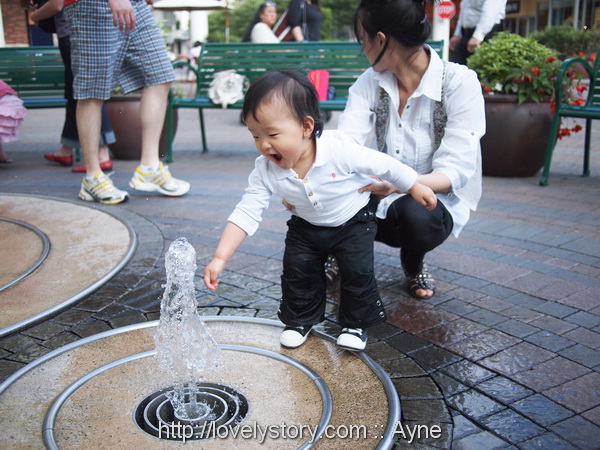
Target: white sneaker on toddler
<point>354,339</point>
<point>293,337</point>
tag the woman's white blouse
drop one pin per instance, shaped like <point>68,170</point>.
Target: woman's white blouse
<point>262,34</point>
<point>409,137</point>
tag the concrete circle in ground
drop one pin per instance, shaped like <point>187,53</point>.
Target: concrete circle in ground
<point>285,402</point>
<point>88,247</point>
<point>24,249</point>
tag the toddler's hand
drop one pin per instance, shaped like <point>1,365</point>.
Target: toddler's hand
<point>423,195</point>
<point>212,272</point>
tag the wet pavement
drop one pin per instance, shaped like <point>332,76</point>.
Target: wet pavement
<point>505,355</point>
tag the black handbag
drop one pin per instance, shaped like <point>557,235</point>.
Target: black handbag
<point>46,25</point>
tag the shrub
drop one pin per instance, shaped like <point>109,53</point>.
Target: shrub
<point>567,41</point>
<point>512,64</point>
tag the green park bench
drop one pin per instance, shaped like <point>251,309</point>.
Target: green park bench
<point>343,60</point>
<point>589,111</point>
<point>37,74</point>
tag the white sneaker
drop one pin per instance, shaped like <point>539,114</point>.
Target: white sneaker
<point>102,190</point>
<point>160,181</point>
<point>293,337</point>
<point>353,339</point>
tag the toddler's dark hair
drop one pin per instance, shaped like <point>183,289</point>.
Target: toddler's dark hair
<point>294,89</point>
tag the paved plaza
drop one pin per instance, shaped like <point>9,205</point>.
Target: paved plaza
<point>505,355</point>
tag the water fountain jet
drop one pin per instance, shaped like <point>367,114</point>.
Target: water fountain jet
<point>184,346</point>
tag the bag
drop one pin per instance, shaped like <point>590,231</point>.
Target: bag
<point>282,28</point>
<point>320,80</point>
<point>227,87</point>
<point>46,25</point>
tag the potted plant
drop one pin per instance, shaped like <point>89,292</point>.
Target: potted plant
<point>517,75</point>
<point>124,113</point>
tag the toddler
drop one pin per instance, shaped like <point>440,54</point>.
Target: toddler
<point>320,174</point>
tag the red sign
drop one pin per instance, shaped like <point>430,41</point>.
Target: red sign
<point>446,10</point>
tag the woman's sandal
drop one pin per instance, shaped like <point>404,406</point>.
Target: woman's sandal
<point>421,280</point>
<point>331,268</point>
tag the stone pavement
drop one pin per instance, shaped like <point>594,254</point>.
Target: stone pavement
<point>505,355</point>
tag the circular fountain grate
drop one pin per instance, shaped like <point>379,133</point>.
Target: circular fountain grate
<point>223,406</point>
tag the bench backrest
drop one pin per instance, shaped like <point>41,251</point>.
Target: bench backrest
<point>344,61</point>
<point>594,94</point>
<point>33,72</point>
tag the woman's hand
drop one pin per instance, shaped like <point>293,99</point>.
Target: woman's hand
<point>287,205</point>
<point>380,189</point>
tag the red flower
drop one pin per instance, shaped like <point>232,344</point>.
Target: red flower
<point>564,132</point>
<point>577,128</point>
<point>536,71</point>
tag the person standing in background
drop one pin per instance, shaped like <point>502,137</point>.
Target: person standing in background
<point>194,53</point>
<point>12,113</point>
<point>305,19</point>
<point>69,138</point>
<point>478,20</point>
<point>118,42</point>
<point>259,29</point>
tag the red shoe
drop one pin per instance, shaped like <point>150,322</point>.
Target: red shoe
<point>106,165</point>
<point>62,160</point>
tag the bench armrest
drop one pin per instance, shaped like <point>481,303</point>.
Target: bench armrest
<point>562,74</point>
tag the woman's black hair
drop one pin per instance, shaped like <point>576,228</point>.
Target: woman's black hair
<point>404,20</point>
<point>255,19</point>
<point>293,88</point>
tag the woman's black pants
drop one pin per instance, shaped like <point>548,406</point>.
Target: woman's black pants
<point>414,229</point>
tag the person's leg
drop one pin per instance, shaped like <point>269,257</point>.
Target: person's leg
<point>303,282</point>
<point>4,159</point>
<point>107,136</point>
<point>95,186</point>
<point>147,66</point>
<point>69,136</point>
<point>416,231</point>
<point>95,44</point>
<point>352,246</point>
<point>302,285</point>
<point>89,113</point>
<point>153,109</point>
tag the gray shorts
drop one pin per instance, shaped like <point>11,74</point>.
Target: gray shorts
<point>103,57</point>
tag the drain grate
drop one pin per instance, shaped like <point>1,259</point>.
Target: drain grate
<point>224,407</point>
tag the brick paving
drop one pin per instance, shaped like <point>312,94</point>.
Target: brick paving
<point>505,355</point>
